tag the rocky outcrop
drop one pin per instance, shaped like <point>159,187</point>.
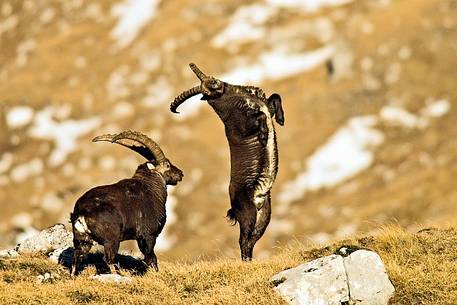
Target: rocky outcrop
<point>357,279</point>
<point>52,238</point>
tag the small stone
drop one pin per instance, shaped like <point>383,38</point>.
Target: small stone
<point>45,278</point>
<point>111,278</point>
<point>8,253</point>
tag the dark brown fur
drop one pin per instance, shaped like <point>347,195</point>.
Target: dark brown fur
<point>132,208</point>
<point>252,152</point>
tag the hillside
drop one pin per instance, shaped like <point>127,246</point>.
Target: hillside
<point>372,143</point>
<point>421,267</point>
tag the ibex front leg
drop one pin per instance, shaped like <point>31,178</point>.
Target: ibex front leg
<point>275,108</point>
<point>263,128</point>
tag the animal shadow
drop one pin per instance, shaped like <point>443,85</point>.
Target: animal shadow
<point>133,265</point>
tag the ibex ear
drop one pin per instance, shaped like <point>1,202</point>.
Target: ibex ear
<point>275,107</point>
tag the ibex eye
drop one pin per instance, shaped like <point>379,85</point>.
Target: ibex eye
<point>215,85</point>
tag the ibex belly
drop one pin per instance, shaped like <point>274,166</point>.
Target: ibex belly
<point>268,173</point>
<point>253,165</point>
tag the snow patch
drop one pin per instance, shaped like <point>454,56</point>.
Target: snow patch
<point>436,109</point>
<point>278,64</point>
<point>158,93</point>
<point>6,160</point>
<point>19,116</point>
<point>397,116</point>
<point>346,153</point>
<point>307,5</point>
<point>26,170</point>
<point>64,134</point>
<point>132,16</point>
<point>245,25</point>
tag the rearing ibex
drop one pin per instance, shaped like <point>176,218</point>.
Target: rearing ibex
<point>247,117</point>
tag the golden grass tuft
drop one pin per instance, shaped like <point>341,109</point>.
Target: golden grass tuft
<point>422,267</point>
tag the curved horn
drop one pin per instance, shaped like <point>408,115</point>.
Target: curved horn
<point>148,148</point>
<point>201,76</point>
<point>184,96</point>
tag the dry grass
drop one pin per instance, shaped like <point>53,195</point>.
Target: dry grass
<point>422,267</point>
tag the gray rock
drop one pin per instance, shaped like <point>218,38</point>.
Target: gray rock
<point>47,240</point>
<point>8,253</point>
<point>111,278</point>
<point>322,281</point>
<point>358,279</point>
<point>45,278</point>
<point>367,279</point>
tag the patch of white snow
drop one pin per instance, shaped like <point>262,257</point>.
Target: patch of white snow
<point>277,64</point>
<point>436,109</point>
<point>64,133</point>
<point>307,5</point>
<point>245,25</point>
<point>23,171</point>
<point>132,16</point>
<point>397,116</point>
<point>19,116</point>
<point>346,153</point>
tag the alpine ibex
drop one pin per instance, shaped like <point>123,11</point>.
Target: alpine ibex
<point>132,208</point>
<point>247,116</point>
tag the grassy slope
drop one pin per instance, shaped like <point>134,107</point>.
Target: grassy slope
<point>422,267</point>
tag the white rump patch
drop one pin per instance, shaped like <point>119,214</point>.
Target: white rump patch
<point>81,225</point>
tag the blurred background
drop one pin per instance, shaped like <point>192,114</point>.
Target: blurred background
<point>368,90</point>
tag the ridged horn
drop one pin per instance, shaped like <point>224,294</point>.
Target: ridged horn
<point>184,96</point>
<point>201,76</point>
<point>148,148</point>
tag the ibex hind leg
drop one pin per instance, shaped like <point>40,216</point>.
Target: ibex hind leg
<point>146,246</point>
<point>110,250</point>
<point>246,219</point>
<point>262,220</point>
<point>255,231</point>
<point>81,248</point>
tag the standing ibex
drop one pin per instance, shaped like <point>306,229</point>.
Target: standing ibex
<point>132,208</point>
<point>247,116</point>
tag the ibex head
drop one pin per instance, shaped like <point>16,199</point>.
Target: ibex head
<point>210,87</point>
<point>149,149</point>
<point>221,95</point>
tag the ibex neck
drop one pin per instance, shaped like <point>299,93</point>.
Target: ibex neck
<point>146,174</point>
